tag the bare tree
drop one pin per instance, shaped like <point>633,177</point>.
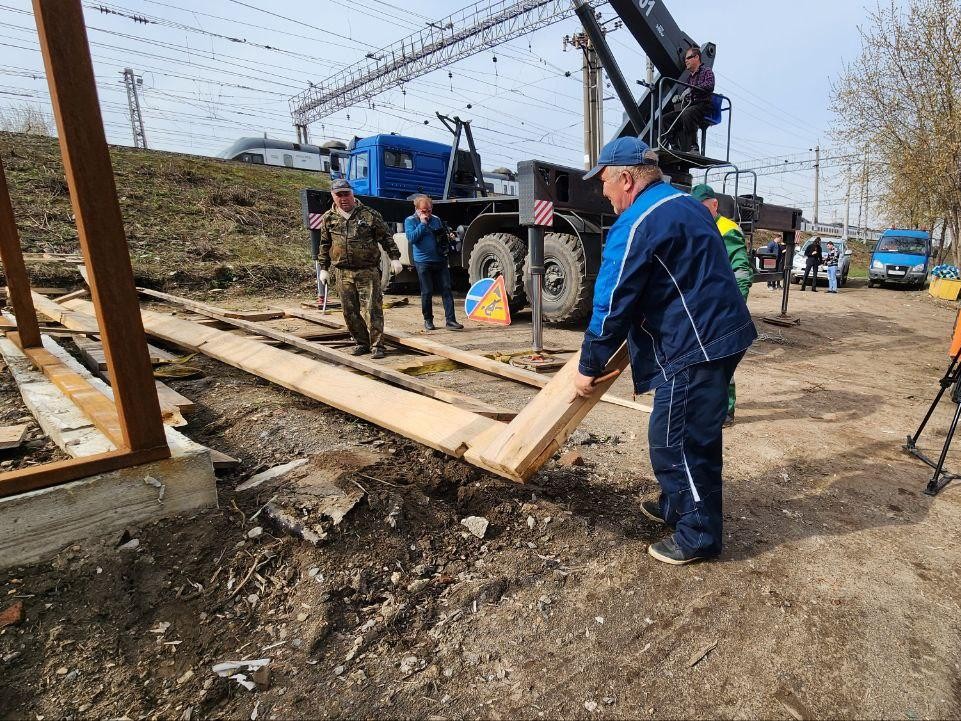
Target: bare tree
<point>25,119</point>
<point>899,103</point>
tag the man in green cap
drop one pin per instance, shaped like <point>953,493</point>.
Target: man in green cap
<point>737,254</point>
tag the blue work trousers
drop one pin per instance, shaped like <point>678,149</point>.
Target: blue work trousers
<point>832,279</point>
<point>435,277</point>
<point>684,437</point>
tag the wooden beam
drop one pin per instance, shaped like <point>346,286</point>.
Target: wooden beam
<point>362,364</point>
<point>428,421</point>
<point>254,315</point>
<point>93,194</point>
<point>46,475</point>
<point>467,358</point>
<point>543,426</point>
<point>95,405</point>
<point>15,270</point>
<point>70,296</point>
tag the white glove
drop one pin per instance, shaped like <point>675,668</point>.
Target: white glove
<point>396,266</point>
<point>324,277</point>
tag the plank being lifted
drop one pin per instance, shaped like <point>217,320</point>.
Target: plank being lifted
<point>465,357</point>
<point>428,421</point>
<point>328,354</point>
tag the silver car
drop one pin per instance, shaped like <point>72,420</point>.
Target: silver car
<point>844,261</point>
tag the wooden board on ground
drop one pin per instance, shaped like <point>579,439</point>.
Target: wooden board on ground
<point>362,364</point>
<point>467,358</point>
<point>12,436</point>
<point>221,461</point>
<point>254,315</point>
<point>426,420</point>
<point>93,350</point>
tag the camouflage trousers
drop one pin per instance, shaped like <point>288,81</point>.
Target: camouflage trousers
<point>362,300</point>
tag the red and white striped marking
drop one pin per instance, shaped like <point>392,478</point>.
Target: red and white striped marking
<point>543,212</point>
<point>313,220</point>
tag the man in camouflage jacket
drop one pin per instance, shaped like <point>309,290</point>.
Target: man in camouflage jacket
<point>351,236</point>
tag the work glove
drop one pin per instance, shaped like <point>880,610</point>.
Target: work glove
<point>396,267</point>
<point>324,276</point>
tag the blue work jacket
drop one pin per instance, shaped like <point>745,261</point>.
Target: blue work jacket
<point>423,238</point>
<point>665,284</point>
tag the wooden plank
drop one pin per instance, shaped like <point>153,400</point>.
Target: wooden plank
<point>467,358</point>
<point>94,351</point>
<point>46,475</point>
<point>82,292</point>
<point>15,270</point>
<point>172,404</point>
<point>95,405</point>
<point>254,315</point>
<point>93,195</point>
<point>356,362</point>
<point>425,420</point>
<point>543,426</point>
<point>64,316</point>
<point>222,461</point>
<point>12,436</point>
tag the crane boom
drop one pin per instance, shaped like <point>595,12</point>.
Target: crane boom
<point>468,31</point>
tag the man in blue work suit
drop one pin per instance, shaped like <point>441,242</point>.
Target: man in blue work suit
<point>428,240</point>
<point>665,286</point>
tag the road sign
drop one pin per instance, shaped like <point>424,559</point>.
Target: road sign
<point>486,301</point>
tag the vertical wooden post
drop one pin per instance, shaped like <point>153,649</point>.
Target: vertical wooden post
<point>66,57</point>
<point>15,270</point>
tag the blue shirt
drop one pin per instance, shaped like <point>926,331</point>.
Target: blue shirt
<point>423,238</point>
<point>665,285</point>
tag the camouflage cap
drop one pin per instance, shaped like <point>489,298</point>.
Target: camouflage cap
<point>339,186</point>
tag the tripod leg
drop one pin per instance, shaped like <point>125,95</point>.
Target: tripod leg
<point>946,381</point>
<point>935,484</point>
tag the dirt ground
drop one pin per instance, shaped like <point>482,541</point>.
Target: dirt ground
<point>837,594</point>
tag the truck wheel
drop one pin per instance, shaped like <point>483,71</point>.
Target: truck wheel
<point>501,254</point>
<point>567,290</point>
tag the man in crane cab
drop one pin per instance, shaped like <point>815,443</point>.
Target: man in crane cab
<point>737,255</point>
<point>691,105</point>
<point>665,286</point>
<point>351,236</point>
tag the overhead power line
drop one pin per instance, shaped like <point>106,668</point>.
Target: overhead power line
<point>478,27</point>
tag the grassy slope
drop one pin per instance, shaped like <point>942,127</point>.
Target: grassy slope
<point>190,221</point>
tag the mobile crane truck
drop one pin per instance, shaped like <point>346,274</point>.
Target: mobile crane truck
<point>492,230</point>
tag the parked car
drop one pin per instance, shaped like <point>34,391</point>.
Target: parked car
<point>901,257</point>
<point>844,261</point>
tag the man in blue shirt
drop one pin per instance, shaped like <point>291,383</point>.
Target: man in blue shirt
<point>428,240</point>
<point>665,287</point>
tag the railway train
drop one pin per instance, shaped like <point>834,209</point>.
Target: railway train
<point>325,158</point>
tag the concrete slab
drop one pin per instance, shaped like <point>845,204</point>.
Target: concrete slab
<point>37,524</point>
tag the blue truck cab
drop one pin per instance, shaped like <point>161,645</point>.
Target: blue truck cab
<point>397,166</point>
<point>901,256</point>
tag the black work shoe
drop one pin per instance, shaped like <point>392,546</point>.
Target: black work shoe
<point>377,353</point>
<point>429,325</point>
<point>360,350</point>
<point>667,551</point>
<point>652,510</point>
<point>454,325</point>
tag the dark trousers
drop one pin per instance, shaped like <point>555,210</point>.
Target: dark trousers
<point>680,126</point>
<point>435,277</point>
<point>807,271</point>
<point>684,437</point>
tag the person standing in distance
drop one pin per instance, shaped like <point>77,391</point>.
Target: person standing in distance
<point>831,263</point>
<point>430,241</point>
<point>813,257</point>
<point>737,255</point>
<point>351,236</point>
<point>665,286</point>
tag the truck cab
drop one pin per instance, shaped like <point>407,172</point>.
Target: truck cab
<point>900,257</point>
<point>397,166</point>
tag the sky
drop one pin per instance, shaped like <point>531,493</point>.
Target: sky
<point>222,69</point>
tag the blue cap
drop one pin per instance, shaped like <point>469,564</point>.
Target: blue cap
<point>623,151</point>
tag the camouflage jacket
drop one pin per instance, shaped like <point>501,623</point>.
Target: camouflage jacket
<point>351,243</point>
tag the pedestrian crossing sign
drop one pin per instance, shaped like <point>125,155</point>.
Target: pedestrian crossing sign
<point>486,301</point>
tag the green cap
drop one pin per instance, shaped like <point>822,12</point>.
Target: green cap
<point>703,192</point>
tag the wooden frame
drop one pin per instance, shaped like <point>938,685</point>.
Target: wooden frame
<point>134,422</point>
